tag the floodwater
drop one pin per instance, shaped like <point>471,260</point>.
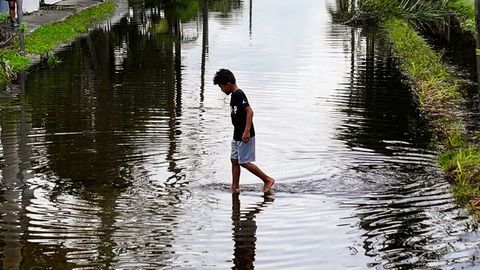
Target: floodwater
<point>118,158</point>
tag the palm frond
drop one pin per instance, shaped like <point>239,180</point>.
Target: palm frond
<point>420,13</point>
<point>425,13</point>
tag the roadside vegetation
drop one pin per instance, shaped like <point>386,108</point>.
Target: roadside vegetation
<point>4,17</point>
<point>465,14</point>
<point>437,89</point>
<point>49,37</point>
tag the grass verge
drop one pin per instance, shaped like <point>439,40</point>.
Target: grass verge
<point>438,95</point>
<point>422,64</point>
<point>49,37</point>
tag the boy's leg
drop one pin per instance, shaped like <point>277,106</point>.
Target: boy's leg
<point>267,180</point>
<point>235,167</point>
<point>246,155</point>
<point>235,176</point>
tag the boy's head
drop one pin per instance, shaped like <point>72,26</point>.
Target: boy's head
<point>225,80</point>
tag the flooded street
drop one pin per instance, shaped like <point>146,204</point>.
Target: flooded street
<point>118,158</point>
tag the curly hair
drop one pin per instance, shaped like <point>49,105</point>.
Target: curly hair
<point>224,76</point>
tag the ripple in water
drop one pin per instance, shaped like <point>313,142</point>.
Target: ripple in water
<point>123,162</point>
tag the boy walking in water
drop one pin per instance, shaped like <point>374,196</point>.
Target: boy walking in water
<point>243,143</point>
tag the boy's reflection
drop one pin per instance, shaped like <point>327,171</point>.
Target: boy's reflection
<point>244,231</point>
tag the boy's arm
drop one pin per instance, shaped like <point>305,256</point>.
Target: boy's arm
<point>248,124</point>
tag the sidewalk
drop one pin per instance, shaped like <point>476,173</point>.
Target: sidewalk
<point>56,12</point>
<point>45,15</point>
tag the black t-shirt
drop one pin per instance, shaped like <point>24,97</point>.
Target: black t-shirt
<point>238,103</point>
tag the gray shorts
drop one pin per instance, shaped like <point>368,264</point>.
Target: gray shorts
<point>243,152</point>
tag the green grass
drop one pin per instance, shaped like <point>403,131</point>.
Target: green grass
<point>465,192</point>
<point>459,160</point>
<point>462,165</point>
<point>48,37</point>
<point>4,17</point>
<point>465,12</point>
<point>421,63</point>
<point>419,13</point>
<point>16,61</point>
<point>434,14</point>
<point>452,131</point>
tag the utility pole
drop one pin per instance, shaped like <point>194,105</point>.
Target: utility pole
<point>477,30</point>
<point>20,25</point>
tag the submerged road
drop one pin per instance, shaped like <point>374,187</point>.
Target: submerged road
<point>119,157</point>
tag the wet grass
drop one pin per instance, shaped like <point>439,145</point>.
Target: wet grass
<point>51,36</point>
<point>462,165</point>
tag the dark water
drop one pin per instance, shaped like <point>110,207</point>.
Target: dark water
<point>118,158</point>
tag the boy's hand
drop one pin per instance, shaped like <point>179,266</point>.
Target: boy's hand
<point>245,136</point>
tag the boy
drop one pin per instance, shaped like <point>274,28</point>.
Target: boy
<point>243,143</point>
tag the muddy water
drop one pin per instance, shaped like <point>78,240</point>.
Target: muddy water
<point>118,158</point>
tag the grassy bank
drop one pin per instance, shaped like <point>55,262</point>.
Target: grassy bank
<point>437,91</point>
<point>422,64</point>
<point>49,37</point>
<point>438,95</point>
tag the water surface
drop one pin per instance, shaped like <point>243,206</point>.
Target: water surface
<point>118,158</point>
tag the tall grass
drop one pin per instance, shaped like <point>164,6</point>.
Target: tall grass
<point>462,165</point>
<point>421,63</point>
<point>419,13</point>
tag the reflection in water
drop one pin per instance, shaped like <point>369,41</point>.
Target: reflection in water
<point>204,5</point>
<point>244,231</point>
<point>84,134</point>
<point>250,11</point>
<point>14,198</point>
<point>415,226</point>
<point>411,221</point>
<point>226,8</point>
<point>381,113</point>
<point>104,158</point>
<point>93,124</point>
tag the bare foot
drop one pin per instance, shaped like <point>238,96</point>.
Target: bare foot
<point>267,187</point>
